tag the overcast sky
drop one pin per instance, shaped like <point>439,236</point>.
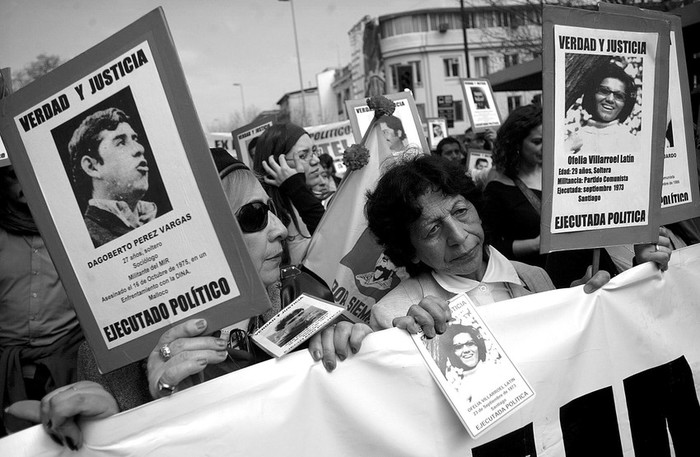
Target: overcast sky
<point>220,42</point>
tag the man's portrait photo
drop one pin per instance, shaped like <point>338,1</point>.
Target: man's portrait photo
<point>111,168</point>
<point>394,132</point>
<point>602,110</point>
<point>479,97</point>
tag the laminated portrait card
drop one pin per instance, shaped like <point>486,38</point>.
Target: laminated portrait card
<point>111,155</point>
<point>296,323</point>
<point>475,374</point>
<point>605,90</point>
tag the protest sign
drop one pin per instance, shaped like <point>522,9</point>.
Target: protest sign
<point>243,136</point>
<point>437,131</point>
<point>481,106</point>
<point>110,134</point>
<point>613,372</point>
<point>402,130</point>
<point>604,83</point>
<point>221,140</point>
<point>679,195</point>
<point>333,139</point>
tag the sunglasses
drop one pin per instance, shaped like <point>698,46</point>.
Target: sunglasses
<point>605,92</point>
<point>252,217</point>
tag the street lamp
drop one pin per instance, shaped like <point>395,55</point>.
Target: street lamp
<point>301,80</point>
<point>240,86</point>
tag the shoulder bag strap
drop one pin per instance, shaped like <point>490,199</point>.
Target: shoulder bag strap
<point>529,194</point>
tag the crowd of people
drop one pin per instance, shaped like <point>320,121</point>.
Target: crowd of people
<point>452,234</point>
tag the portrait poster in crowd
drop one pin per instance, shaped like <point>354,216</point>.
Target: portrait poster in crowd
<point>437,131</point>
<point>478,159</point>
<point>481,106</point>
<point>295,323</point>
<point>333,139</point>
<point>605,95</point>
<point>402,130</point>
<point>110,153</point>
<point>679,191</point>
<point>475,374</point>
<point>222,140</point>
<point>4,158</point>
<point>245,138</point>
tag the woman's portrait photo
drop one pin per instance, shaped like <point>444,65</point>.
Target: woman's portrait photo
<point>603,111</point>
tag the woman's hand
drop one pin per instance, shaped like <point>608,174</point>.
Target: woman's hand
<point>187,354</point>
<point>337,341</point>
<point>60,410</point>
<point>430,315</point>
<point>659,252</point>
<point>592,282</point>
<point>278,171</point>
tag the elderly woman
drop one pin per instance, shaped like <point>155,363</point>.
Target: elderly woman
<point>609,96</point>
<point>425,213</point>
<point>288,159</point>
<point>196,355</point>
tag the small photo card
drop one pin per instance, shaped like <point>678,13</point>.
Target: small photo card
<point>437,131</point>
<point>473,371</point>
<point>295,324</point>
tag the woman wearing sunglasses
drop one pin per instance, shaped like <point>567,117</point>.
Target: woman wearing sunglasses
<point>287,158</point>
<point>608,98</point>
<point>188,353</point>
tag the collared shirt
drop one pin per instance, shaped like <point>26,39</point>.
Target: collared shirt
<point>143,213</point>
<point>34,308</point>
<point>494,286</point>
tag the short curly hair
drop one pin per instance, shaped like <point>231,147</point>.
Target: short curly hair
<point>510,137</point>
<point>393,205</point>
<point>597,75</point>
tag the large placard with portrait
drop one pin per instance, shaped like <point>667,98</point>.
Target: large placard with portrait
<point>245,138</point>
<point>402,130</point>
<point>680,194</point>
<point>481,104</point>
<point>110,153</point>
<point>475,374</point>
<point>605,95</point>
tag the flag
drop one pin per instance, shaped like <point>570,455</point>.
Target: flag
<point>342,251</point>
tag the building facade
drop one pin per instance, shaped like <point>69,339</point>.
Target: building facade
<point>423,51</point>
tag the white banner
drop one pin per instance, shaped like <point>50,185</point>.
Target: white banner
<point>610,369</point>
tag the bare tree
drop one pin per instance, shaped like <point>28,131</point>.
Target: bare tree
<point>43,64</point>
<point>234,121</point>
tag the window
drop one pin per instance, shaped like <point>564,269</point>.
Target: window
<point>514,101</point>
<point>511,59</point>
<point>339,99</point>
<point>481,66</point>
<point>451,67</point>
<point>395,75</point>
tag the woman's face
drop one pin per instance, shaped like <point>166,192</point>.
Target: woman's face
<point>448,236</point>
<point>308,155</point>
<point>264,246</point>
<point>466,350</point>
<point>610,98</point>
<point>531,149</point>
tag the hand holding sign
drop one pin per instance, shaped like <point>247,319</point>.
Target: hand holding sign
<point>180,353</point>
